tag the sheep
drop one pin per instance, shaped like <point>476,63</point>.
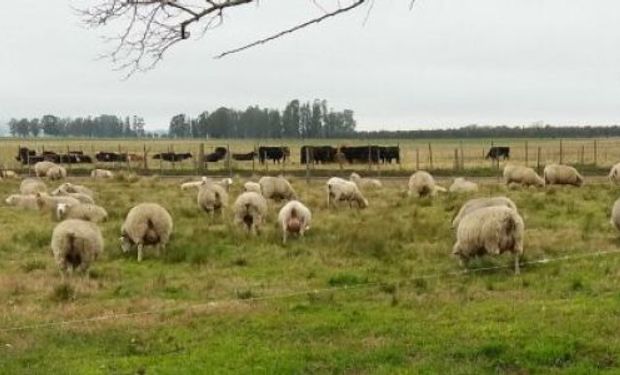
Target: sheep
<point>68,187</point>
<point>147,224</point>
<point>76,244</point>
<point>252,186</point>
<point>276,188</point>
<point>101,173</point>
<point>294,217</point>
<point>212,198</point>
<point>46,202</point>
<point>193,184</point>
<point>522,175</point>
<point>32,186</point>
<point>490,230</point>
<point>614,175</point>
<point>339,189</point>
<point>83,198</point>
<point>461,185</point>
<point>41,168</point>
<point>250,210</point>
<point>6,173</point>
<point>23,201</point>
<point>422,184</point>
<point>56,173</point>
<point>365,182</point>
<point>477,203</point>
<point>82,211</point>
<point>615,215</point>
<point>562,175</point>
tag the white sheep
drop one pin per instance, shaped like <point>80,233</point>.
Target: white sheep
<point>76,244</point>
<point>252,186</point>
<point>82,211</point>
<point>68,187</point>
<point>522,175</point>
<point>47,202</point>
<point>212,198</point>
<point>365,182</point>
<point>478,203</point>
<point>294,217</point>
<point>490,230</point>
<point>422,184</point>
<point>461,185</point>
<point>6,173</point>
<point>56,173</point>
<point>101,173</point>
<point>147,224</point>
<point>23,201</point>
<point>193,184</point>
<point>556,174</point>
<point>276,188</point>
<point>32,186</point>
<point>615,215</point>
<point>614,174</point>
<point>339,189</point>
<point>250,210</point>
<point>41,168</point>
<point>83,198</point>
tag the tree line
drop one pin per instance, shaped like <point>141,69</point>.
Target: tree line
<point>297,120</point>
<point>103,126</point>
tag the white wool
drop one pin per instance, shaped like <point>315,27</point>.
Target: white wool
<point>250,210</point>
<point>252,186</point>
<point>461,185</point>
<point>294,210</point>
<point>556,174</point>
<point>522,175</point>
<point>365,182</point>
<point>76,244</point>
<point>422,184</point>
<point>339,189</point>
<point>147,224</point>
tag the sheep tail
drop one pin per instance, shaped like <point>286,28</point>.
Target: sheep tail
<point>510,225</point>
<point>293,213</point>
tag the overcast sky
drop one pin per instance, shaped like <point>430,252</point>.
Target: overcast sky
<point>445,63</point>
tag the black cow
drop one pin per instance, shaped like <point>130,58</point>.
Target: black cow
<point>318,154</point>
<point>27,156</point>
<point>244,157</point>
<point>219,154</point>
<point>386,154</point>
<point>360,153</point>
<point>173,157</point>
<point>497,152</point>
<point>277,154</point>
<point>104,156</point>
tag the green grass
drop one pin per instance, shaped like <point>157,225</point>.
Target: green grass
<point>371,291</point>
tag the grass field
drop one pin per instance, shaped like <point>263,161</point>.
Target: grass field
<point>415,154</point>
<point>371,291</point>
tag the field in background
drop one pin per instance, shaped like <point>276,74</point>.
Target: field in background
<point>435,155</point>
<point>371,291</point>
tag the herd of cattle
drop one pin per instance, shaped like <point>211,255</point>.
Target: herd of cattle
<point>277,154</point>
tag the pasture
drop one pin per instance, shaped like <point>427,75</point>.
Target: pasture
<point>366,291</point>
<point>438,155</point>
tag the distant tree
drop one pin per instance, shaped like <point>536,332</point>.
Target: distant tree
<point>221,123</point>
<point>290,120</point>
<point>34,127</point>
<point>51,125</point>
<point>23,127</point>
<point>316,120</point>
<point>13,127</point>
<point>137,126</point>
<point>179,126</point>
<point>305,117</point>
<point>275,124</point>
<point>201,125</point>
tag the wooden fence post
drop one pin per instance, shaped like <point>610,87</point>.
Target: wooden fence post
<point>417,159</point>
<point>308,165</point>
<point>430,156</point>
<point>228,160</point>
<point>369,156</point>
<point>201,157</point>
<point>462,156</point>
<point>583,151</point>
<point>561,152</point>
<point>456,159</point>
<point>254,160</point>
<point>538,160</point>
<point>378,165</point>
<point>595,153</point>
<point>146,165</point>
<point>526,153</point>
<point>492,160</point>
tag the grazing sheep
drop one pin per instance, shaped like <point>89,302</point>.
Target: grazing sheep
<point>212,198</point>
<point>82,211</point>
<point>101,173</point>
<point>252,186</point>
<point>68,187</point>
<point>56,173</point>
<point>32,186</point>
<point>193,184</point>
<point>339,189</point>
<point>250,210</point>
<point>6,173</point>
<point>614,174</point>
<point>76,244</point>
<point>615,215</point>
<point>556,174</point>
<point>478,203</point>
<point>276,188</point>
<point>365,182</point>
<point>23,201</point>
<point>522,175</point>
<point>41,168</point>
<point>47,202</point>
<point>147,224</point>
<point>83,198</point>
<point>490,230</point>
<point>422,184</point>
<point>461,185</point>
<point>294,217</point>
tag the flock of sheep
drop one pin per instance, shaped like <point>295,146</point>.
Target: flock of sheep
<point>483,225</point>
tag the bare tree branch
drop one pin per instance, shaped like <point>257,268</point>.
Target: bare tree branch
<point>151,27</point>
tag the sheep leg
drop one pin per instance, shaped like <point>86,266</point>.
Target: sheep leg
<point>284,237</point>
<point>517,270</point>
<point>140,249</point>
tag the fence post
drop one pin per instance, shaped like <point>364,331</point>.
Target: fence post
<point>456,159</point>
<point>228,160</point>
<point>378,166</point>
<point>538,160</point>
<point>492,160</point>
<point>583,151</point>
<point>561,152</point>
<point>526,153</point>
<point>430,155</point>
<point>308,165</point>
<point>369,156</point>
<point>417,159</point>
<point>283,160</point>
<point>254,160</point>
<point>68,158</point>
<point>146,166</point>
<point>201,157</point>
<point>462,156</point>
<point>595,153</point>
